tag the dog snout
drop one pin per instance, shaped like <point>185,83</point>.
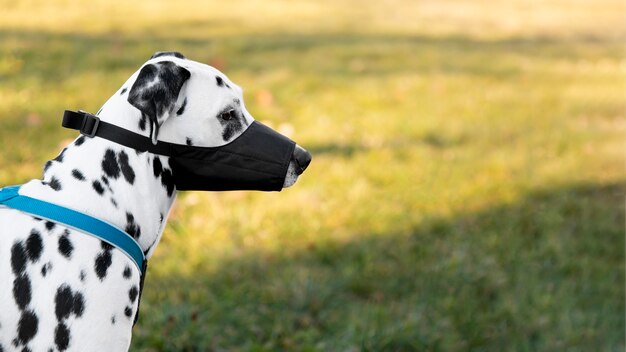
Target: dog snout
<point>302,158</point>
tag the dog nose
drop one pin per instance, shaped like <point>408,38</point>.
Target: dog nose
<point>302,158</point>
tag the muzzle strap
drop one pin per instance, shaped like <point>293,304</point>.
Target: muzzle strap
<point>91,126</point>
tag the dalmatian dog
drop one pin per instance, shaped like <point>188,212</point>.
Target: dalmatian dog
<point>64,290</point>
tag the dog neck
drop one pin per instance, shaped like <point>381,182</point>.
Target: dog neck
<point>117,184</point>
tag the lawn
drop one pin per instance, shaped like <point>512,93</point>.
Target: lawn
<point>467,188</point>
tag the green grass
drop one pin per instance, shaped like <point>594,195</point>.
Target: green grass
<point>467,187</point>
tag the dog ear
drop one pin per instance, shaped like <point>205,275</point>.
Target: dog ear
<point>156,91</point>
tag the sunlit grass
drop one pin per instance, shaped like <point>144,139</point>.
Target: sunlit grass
<point>467,183</point>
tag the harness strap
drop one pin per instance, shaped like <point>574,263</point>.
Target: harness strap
<point>104,231</point>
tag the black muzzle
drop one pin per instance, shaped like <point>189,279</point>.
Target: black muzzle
<point>256,160</point>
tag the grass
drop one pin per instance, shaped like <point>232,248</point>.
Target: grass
<point>467,188</point>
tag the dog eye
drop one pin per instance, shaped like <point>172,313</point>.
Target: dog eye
<point>228,115</point>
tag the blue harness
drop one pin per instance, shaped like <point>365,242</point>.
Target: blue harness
<point>9,197</point>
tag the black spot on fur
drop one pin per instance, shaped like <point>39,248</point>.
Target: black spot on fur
<point>110,165</point>
<point>127,170</point>
<point>105,181</point>
<point>143,121</point>
<point>62,336</point>
<point>97,186</point>
<point>63,302</point>
<point>123,90</point>
<point>22,291</point>
<point>102,264</point>
<point>182,108</point>
<point>34,245</point>
<point>220,81</point>
<point>61,155</point>
<point>128,311</point>
<point>65,246</point>
<point>114,203</point>
<point>78,304</point>
<point>47,165</point>
<point>66,302</point>
<point>55,184</point>
<point>78,175</point>
<point>106,246</point>
<point>188,141</point>
<point>127,273</point>
<point>45,269</point>
<point>157,167</point>
<point>132,294</point>
<point>18,258</point>
<point>233,125</point>
<point>27,326</point>
<point>228,132</point>
<point>82,275</point>
<point>112,321</point>
<point>132,228</point>
<point>167,179</point>
<point>79,141</point>
<point>50,225</point>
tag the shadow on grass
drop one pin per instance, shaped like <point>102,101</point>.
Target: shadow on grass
<point>545,273</point>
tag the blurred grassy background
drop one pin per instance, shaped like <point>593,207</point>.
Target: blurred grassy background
<point>467,188</point>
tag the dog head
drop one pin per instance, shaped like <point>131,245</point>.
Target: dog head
<point>186,102</point>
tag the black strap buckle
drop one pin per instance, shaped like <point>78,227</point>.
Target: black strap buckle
<point>90,124</point>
